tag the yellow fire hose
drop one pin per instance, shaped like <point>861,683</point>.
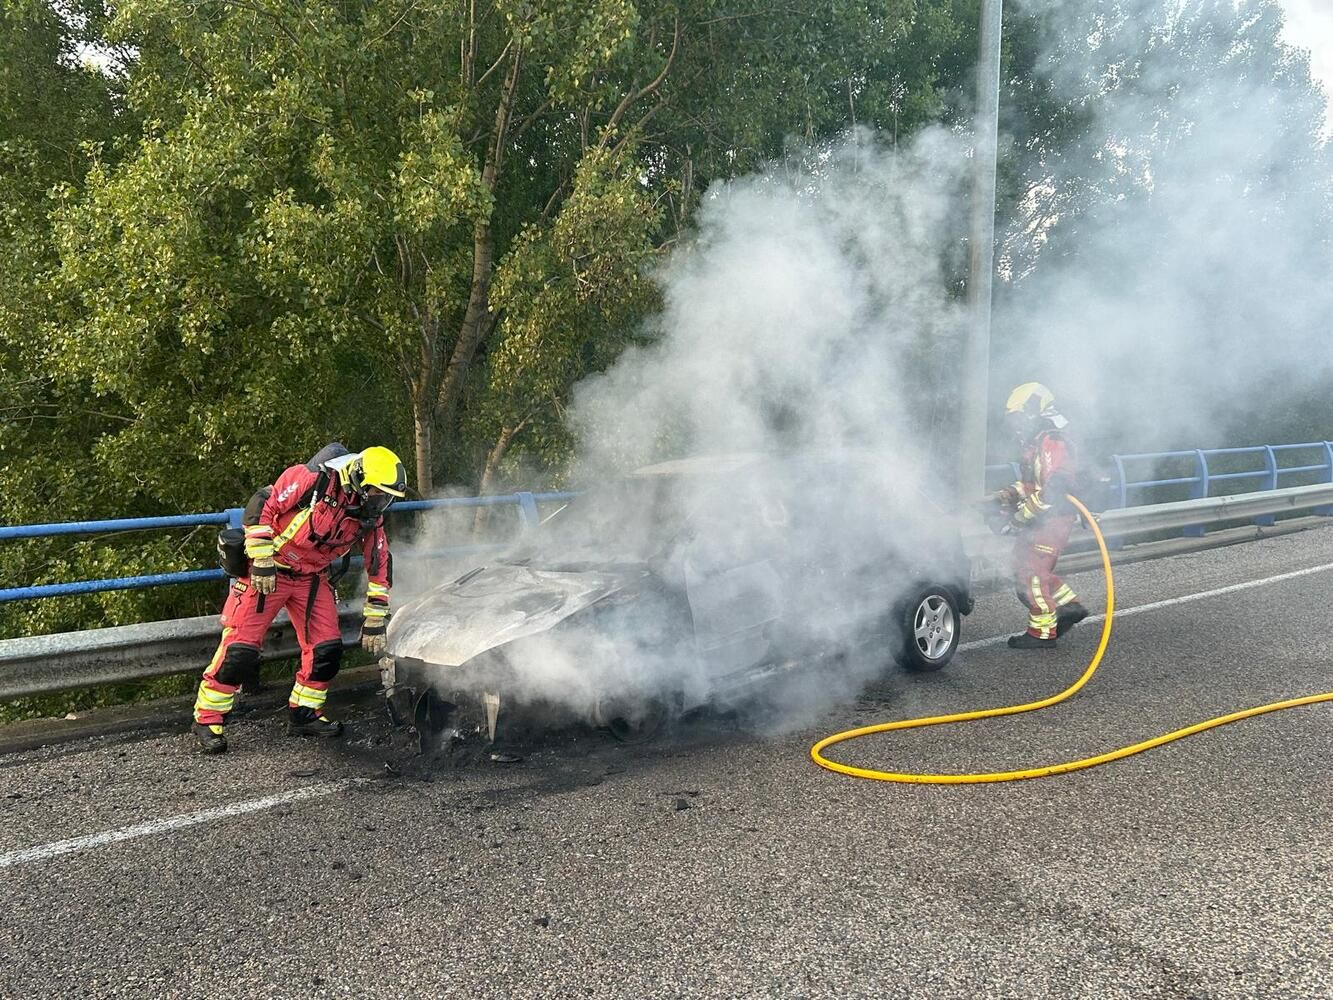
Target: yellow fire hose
<point>817,751</point>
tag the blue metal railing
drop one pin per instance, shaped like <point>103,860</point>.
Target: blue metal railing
<point>1200,480</point>
<point>527,513</point>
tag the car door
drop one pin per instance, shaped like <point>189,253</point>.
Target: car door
<point>735,592</point>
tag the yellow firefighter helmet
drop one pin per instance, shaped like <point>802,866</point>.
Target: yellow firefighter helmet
<point>381,469</point>
<point>1030,398</point>
<point>1029,406</point>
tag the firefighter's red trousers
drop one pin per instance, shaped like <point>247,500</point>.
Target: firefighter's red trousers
<point>246,618</point>
<point>1035,555</point>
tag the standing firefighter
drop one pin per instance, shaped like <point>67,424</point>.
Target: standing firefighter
<point>311,516</point>
<point>1035,509</point>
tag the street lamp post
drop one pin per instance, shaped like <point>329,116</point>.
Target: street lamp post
<point>981,264</point>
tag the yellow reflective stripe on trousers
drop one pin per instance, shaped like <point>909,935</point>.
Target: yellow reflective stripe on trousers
<point>1045,621</point>
<point>1043,625</point>
<point>213,701</point>
<point>308,697</point>
<point>219,654</point>
<point>1064,595</point>
<point>1037,597</point>
<point>212,698</point>
<point>376,590</point>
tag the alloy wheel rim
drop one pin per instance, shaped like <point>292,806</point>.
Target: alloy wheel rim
<point>933,627</point>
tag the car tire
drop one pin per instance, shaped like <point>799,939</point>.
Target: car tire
<point>930,627</point>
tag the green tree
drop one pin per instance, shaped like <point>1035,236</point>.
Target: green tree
<point>332,189</point>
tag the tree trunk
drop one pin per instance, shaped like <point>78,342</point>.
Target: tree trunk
<point>421,432</point>
<point>493,460</point>
<point>477,320</point>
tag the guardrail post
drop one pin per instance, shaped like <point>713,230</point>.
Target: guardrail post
<point>1115,542</point>
<point>1328,457</point>
<point>1198,491</point>
<point>1123,483</point>
<point>1270,483</point>
<point>527,511</point>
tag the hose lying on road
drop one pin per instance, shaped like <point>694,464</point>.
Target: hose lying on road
<point>817,751</point>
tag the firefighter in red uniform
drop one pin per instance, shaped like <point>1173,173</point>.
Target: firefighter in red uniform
<point>311,516</point>
<point>1036,511</point>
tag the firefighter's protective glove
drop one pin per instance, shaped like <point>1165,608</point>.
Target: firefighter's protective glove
<point>996,512</point>
<point>264,574</point>
<point>373,639</point>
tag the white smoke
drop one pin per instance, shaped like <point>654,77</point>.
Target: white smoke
<point>812,311</point>
<point>805,332</point>
<point>1169,270</point>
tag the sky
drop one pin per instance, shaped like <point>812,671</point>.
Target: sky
<point>1310,26</point>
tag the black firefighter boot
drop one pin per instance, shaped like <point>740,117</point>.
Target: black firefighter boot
<point>312,722</point>
<point>212,739</point>
<point>1069,616</point>
<point>1026,640</point>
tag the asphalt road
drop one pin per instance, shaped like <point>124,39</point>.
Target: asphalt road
<point>723,863</point>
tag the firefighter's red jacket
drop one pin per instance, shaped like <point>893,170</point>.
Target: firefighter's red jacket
<point>310,521</point>
<point>1047,470</point>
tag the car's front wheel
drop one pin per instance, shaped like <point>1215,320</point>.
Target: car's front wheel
<point>931,627</point>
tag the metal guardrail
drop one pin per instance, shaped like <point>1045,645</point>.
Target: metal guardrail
<point>46,664</point>
<point>1206,511</point>
<point>526,503</point>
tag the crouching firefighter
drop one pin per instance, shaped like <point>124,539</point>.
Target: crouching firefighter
<point>1035,510</point>
<point>313,515</point>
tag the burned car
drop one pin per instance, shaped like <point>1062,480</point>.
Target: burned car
<point>702,581</point>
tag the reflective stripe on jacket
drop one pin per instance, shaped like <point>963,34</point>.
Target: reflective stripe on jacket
<point>1047,469</point>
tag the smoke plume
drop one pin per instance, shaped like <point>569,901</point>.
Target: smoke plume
<point>1168,270</point>
<point>804,331</point>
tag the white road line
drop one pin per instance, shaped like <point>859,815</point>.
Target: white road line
<point>44,851</point>
<point>1139,609</point>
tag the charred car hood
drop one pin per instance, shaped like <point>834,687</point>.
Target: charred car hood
<point>491,606</point>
